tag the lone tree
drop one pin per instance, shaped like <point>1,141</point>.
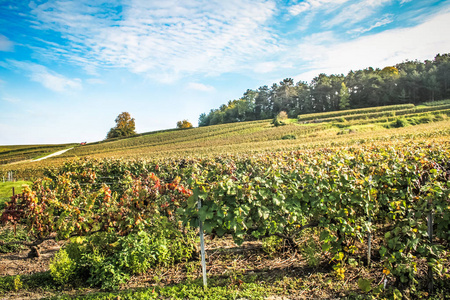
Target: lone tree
<point>125,126</point>
<point>184,124</point>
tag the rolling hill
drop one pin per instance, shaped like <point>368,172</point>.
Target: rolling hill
<point>330,129</point>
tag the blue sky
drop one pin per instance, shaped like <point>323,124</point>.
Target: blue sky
<point>69,67</point>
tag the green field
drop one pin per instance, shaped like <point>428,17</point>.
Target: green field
<point>287,210</point>
<point>6,190</point>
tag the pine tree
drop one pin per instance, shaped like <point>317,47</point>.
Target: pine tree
<point>344,97</point>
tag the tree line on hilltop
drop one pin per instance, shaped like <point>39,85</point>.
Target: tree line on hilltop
<point>407,82</point>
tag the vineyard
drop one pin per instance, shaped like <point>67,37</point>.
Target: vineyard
<point>331,214</point>
<point>11,154</point>
<point>309,131</point>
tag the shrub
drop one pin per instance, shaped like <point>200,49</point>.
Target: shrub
<point>341,125</point>
<point>62,268</point>
<point>280,119</point>
<point>272,244</point>
<point>139,252</point>
<point>289,137</point>
<point>108,259</point>
<point>399,122</point>
<point>10,283</point>
<point>421,119</point>
<point>441,117</point>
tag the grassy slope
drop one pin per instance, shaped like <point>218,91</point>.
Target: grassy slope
<point>258,135</point>
<point>251,136</point>
<point>6,190</point>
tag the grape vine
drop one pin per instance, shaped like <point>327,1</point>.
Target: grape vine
<point>386,189</point>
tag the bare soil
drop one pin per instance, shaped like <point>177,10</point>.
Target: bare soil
<point>19,263</point>
<point>224,259</point>
<point>289,272</point>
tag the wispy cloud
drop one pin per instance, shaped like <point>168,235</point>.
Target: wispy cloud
<point>266,67</point>
<point>315,46</point>
<point>311,5</point>
<point>200,87</point>
<point>5,44</point>
<point>356,12</point>
<point>168,40</point>
<point>312,11</point>
<point>164,40</point>
<point>378,50</point>
<point>387,19</point>
<point>48,78</point>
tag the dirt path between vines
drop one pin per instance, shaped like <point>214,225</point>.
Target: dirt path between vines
<point>39,159</point>
<point>53,154</point>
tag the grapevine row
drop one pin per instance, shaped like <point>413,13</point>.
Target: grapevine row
<point>346,192</point>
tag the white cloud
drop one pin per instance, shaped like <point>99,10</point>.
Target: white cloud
<point>200,87</point>
<point>310,5</point>
<point>299,8</point>
<point>5,44</point>
<point>266,67</point>
<point>49,79</point>
<point>314,46</point>
<point>421,42</point>
<point>55,82</point>
<point>356,12</point>
<point>163,40</point>
<point>381,22</point>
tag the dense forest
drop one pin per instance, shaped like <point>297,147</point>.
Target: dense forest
<point>406,82</point>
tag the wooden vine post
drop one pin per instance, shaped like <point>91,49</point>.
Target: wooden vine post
<point>369,243</point>
<point>369,236</point>
<point>202,244</point>
<point>430,236</point>
<point>14,194</point>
